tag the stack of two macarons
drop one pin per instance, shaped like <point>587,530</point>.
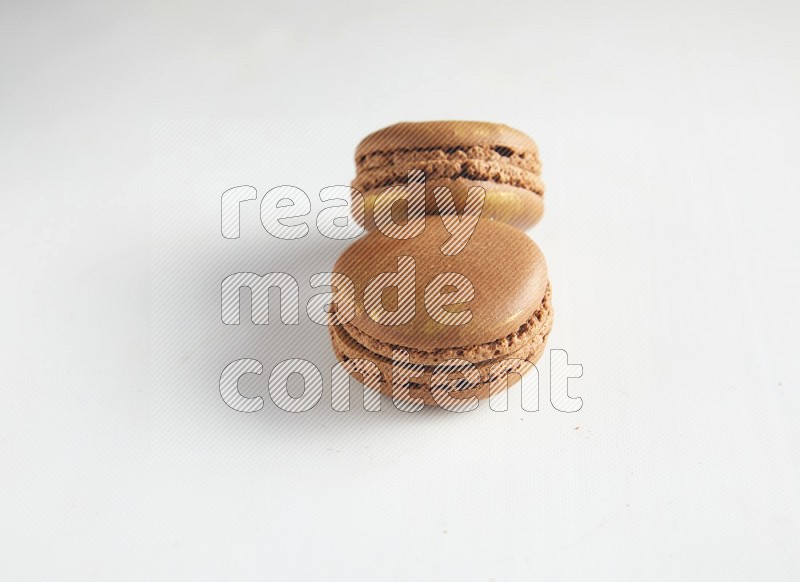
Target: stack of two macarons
<point>476,310</point>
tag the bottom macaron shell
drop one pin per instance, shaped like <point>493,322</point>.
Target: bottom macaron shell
<point>510,204</point>
<point>346,349</point>
<point>458,387</point>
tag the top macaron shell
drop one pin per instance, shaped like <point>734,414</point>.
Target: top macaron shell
<point>445,135</point>
<point>506,268</point>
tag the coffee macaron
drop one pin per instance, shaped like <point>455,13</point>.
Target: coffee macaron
<point>478,316</point>
<point>458,155</point>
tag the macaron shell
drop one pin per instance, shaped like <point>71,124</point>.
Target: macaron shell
<point>538,325</point>
<point>515,206</point>
<point>444,134</point>
<point>507,271</point>
<point>420,385</point>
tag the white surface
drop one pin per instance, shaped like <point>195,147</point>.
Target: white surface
<point>670,137</point>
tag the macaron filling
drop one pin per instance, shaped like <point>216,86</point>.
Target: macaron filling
<point>526,344</point>
<point>537,325</point>
<point>478,163</point>
<point>525,160</point>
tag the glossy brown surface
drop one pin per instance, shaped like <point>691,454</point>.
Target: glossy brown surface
<point>444,134</point>
<point>529,335</point>
<point>505,267</point>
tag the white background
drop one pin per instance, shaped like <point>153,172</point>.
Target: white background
<point>670,137</point>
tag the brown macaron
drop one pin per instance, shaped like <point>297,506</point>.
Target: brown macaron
<point>500,327</point>
<point>456,154</point>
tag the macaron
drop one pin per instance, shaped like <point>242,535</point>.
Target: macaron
<point>456,154</point>
<point>466,344</point>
